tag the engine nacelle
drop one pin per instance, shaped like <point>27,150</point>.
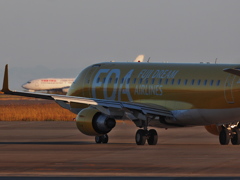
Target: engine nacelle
<point>92,122</point>
<point>213,129</point>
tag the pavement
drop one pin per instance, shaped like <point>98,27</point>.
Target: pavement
<point>57,150</point>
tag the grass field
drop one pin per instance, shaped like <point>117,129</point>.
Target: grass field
<point>13,108</point>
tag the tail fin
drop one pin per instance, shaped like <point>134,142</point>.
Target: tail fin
<point>140,58</point>
<point>6,90</point>
<point>5,87</point>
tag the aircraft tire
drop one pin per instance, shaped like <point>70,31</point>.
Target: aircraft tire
<point>224,137</point>
<point>104,138</point>
<point>235,140</point>
<point>140,137</point>
<point>98,139</point>
<point>153,137</point>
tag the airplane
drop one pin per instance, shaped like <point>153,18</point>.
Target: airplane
<point>152,95</point>
<point>48,84</point>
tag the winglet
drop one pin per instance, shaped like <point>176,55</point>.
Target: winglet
<point>5,87</point>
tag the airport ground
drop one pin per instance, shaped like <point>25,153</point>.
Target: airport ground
<point>57,150</point>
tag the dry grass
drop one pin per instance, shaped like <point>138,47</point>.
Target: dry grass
<point>4,97</point>
<point>32,110</point>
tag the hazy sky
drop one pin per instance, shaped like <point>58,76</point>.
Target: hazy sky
<point>77,33</point>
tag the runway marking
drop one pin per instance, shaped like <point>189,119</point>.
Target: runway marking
<point>81,169</point>
<point>45,169</point>
<point>89,165</point>
<point>112,169</point>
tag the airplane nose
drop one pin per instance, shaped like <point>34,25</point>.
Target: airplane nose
<point>24,86</point>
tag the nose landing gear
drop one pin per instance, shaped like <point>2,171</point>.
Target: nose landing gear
<point>101,139</point>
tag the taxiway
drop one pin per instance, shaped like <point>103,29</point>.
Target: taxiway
<point>47,149</point>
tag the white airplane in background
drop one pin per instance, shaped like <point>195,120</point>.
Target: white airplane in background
<point>49,84</point>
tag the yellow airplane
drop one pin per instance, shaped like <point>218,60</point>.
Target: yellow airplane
<point>158,95</point>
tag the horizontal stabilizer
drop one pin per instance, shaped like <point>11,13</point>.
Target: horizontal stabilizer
<point>233,71</point>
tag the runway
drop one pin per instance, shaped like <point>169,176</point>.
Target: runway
<point>58,149</point>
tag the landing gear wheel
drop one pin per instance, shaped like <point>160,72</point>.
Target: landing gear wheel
<point>224,137</point>
<point>235,136</point>
<point>98,139</point>
<point>153,137</point>
<point>104,138</point>
<point>140,137</point>
<point>101,139</point>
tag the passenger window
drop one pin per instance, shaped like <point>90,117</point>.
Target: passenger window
<point>110,80</point>
<point>146,81</point>
<point>98,80</point>
<point>122,81</point>
<point>205,82</point>
<point>128,80</point>
<point>160,81</point>
<point>218,82</point>
<point>116,80</point>
<point>179,81</point>
<point>166,82</point>
<point>104,79</point>
<point>173,81</point>
<point>134,80</point>
<point>186,81</point>
<point>211,83</point>
<point>140,81</point>
<point>193,82</point>
<point>153,80</point>
<point>199,82</point>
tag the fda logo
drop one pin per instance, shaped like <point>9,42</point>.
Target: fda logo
<point>109,84</point>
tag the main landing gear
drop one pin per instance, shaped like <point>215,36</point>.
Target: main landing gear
<point>143,135</point>
<point>227,134</point>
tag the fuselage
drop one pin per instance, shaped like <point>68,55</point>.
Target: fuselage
<point>48,84</point>
<point>198,94</point>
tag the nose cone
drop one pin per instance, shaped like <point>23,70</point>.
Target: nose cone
<point>26,85</point>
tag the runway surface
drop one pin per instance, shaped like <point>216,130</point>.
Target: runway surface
<point>58,149</point>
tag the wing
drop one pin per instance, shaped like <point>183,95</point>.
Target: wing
<point>131,110</point>
<point>235,71</point>
<point>104,105</point>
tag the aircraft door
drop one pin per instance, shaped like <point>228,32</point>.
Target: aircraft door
<point>37,84</point>
<point>228,89</point>
<point>88,80</point>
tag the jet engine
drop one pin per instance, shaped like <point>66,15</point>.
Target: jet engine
<point>213,129</point>
<point>92,122</point>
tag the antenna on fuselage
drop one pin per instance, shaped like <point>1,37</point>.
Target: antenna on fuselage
<point>148,59</point>
<point>216,60</point>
